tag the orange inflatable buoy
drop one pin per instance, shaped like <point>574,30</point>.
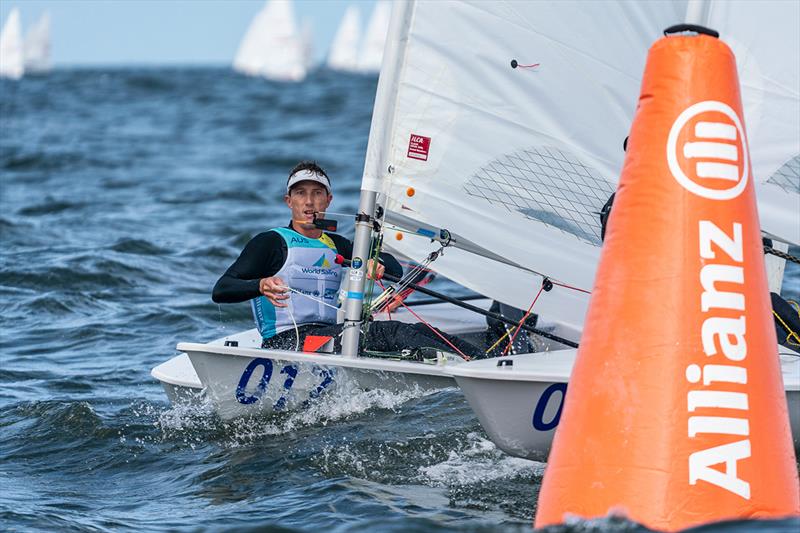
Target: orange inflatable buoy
<point>676,414</point>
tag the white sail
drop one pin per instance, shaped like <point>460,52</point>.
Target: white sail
<point>307,37</point>
<point>765,37</point>
<point>371,55</point>
<point>272,47</point>
<point>37,46</point>
<point>343,54</point>
<point>514,160</point>
<point>517,161</point>
<point>12,63</point>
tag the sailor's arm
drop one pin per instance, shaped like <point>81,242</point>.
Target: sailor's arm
<point>261,258</point>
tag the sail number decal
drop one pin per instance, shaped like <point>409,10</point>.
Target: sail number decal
<point>290,373</point>
<point>539,423</point>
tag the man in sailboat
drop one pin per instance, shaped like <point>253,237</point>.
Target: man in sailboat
<point>291,278</point>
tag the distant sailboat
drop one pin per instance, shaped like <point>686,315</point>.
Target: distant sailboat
<point>343,55</point>
<point>11,59</point>
<point>272,47</point>
<point>307,36</point>
<point>37,46</point>
<point>372,50</point>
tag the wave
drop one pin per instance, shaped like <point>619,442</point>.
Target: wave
<point>154,82</point>
<point>65,278</point>
<point>51,207</point>
<point>51,161</point>
<point>137,247</point>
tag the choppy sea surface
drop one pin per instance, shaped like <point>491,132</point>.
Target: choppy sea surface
<point>125,194</point>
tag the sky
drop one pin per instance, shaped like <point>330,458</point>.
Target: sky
<point>169,32</point>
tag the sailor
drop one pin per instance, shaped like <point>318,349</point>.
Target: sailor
<point>292,280</point>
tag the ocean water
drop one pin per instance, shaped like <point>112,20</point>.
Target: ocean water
<point>125,194</point>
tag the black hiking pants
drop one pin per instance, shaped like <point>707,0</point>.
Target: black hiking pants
<point>383,336</point>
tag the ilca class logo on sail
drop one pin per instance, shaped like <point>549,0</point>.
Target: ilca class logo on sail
<point>711,161</point>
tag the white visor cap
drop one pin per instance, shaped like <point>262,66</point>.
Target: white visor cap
<point>308,175</point>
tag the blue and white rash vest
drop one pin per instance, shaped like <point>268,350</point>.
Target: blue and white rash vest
<point>311,269</point>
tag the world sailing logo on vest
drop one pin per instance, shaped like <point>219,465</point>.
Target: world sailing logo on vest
<point>322,262</point>
<point>321,267</point>
<point>707,151</point>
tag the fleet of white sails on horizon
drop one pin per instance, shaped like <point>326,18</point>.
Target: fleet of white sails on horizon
<point>272,47</point>
<point>19,55</point>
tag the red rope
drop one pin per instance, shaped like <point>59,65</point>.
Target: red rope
<point>571,287</point>
<point>433,329</point>
<point>524,318</point>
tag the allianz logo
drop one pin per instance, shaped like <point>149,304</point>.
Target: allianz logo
<point>706,151</point>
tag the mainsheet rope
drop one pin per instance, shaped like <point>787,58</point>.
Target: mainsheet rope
<point>782,255</point>
<point>524,318</point>
<point>433,329</point>
<point>786,327</point>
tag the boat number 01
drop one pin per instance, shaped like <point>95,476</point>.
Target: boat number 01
<point>242,396</point>
<point>539,422</point>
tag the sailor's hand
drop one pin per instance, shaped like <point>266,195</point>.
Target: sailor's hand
<point>274,290</point>
<point>375,269</point>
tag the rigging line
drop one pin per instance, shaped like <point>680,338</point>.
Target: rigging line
<point>318,300</point>
<point>496,316</point>
<point>782,255</point>
<point>374,254</point>
<point>385,298</point>
<point>787,328</point>
<point>433,329</point>
<point>379,303</point>
<point>524,318</point>
<point>570,287</point>
<point>296,330</point>
<point>498,341</point>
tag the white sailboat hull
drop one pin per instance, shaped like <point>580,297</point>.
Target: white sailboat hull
<point>229,377</point>
<point>519,405</point>
<point>243,382</point>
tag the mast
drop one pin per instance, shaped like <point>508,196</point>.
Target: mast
<point>697,12</point>
<point>375,168</point>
